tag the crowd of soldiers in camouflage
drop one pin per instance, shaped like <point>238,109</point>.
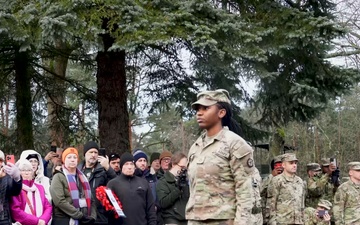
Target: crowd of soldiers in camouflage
<point>321,199</point>
<point>226,188</point>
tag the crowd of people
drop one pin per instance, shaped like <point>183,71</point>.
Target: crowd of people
<point>32,193</point>
<point>320,199</point>
<point>217,183</point>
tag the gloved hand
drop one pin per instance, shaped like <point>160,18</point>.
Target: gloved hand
<point>87,220</point>
<point>335,176</point>
<point>13,171</point>
<point>178,183</point>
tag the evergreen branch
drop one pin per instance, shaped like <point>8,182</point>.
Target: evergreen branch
<point>79,87</point>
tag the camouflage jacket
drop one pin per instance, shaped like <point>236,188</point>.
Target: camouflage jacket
<point>346,208</point>
<point>263,193</point>
<point>329,190</point>
<point>310,217</point>
<point>316,187</point>
<point>286,197</point>
<point>224,183</point>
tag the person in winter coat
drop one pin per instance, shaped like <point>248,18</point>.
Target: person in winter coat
<point>98,171</point>
<point>37,163</point>
<point>71,195</point>
<point>173,191</point>
<point>30,207</point>
<point>134,194</point>
<point>114,161</point>
<point>10,185</point>
<point>142,170</point>
<point>164,160</point>
<point>154,162</point>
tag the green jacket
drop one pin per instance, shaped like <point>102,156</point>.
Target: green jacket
<point>62,202</point>
<point>171,199</point>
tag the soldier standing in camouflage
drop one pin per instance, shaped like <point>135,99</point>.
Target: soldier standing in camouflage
<point>328,169</point>
<point>331,173</point>
<point>315,184</point>
<point>286,194</point>
<point>276,169</point>
<point>224,183</point>
<point>320,215</point>
<point>347,198</point>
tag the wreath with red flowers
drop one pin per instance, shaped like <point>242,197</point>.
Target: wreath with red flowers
<point>105,201</point>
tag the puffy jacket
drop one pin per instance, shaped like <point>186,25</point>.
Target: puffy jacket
<point>18,204</point>
<point>40,177</point>
<point>99,177</point>
<point>172,200</point>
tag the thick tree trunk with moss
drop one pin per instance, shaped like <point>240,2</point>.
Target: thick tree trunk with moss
<point>277,142</point>
<point>24,132</point>
<point>58,121</point>
<point>112,98</point>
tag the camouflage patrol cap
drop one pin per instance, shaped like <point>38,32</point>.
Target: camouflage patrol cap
<point>354,166</point>
<point>288,157</point>
<point>277,159</point>
<point>325,204</point>
<point>325,161</point>
<point>209,98</point>
<point>313,166</point>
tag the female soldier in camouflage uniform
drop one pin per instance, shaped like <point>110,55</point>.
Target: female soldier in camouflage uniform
<point>224,183</point>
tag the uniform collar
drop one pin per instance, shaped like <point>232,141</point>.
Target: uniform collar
<point>218,136</point>
<point>289,179</point>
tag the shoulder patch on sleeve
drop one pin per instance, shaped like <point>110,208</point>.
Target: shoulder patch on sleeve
<point>250,162</point>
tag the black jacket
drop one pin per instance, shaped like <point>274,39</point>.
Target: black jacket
<point>99,177</point>
<point>135,195</point>
<point>9,188</point>
<point>172,200</point>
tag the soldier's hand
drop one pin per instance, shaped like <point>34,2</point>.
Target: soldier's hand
<point>327,217</point>
<point>104,162</point>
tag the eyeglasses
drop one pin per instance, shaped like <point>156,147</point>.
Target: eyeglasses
<point>26,171</point>
<point>166,159</point>
<point>182,167</point>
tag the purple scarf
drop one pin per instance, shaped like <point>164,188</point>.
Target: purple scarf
<point>74,191</point>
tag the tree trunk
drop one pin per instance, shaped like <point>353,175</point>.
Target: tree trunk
<point>56,114</point>
<point>112,98</point>
<point>7,115</point>
<point>25,139</point>
<point>277,142</point>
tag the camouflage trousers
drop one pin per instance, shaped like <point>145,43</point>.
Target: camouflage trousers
<point>211,222</point>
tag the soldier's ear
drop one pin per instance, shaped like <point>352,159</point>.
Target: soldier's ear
<point>221,113</point>
<point>351,173</point>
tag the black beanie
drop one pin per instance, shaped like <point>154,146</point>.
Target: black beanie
<point>154,156</point>
<point>126,157</point>
<point>32,156</point>
<point>90,145</point>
